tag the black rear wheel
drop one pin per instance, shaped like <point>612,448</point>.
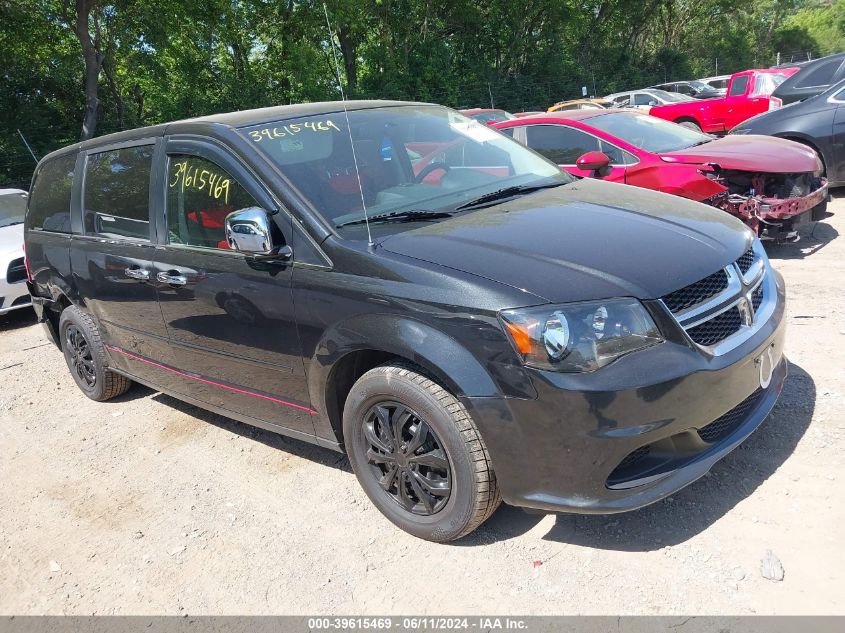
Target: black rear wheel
<point>86,356</point>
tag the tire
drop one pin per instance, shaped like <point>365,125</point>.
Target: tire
<point>86,357</point>
<point>400,392</point>
<point>690,125</point>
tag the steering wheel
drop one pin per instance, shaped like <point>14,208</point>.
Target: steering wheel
<point>425,171</point>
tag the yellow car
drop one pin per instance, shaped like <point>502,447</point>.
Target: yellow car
<point>581,104</point>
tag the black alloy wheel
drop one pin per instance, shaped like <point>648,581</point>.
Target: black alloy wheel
<point>417,453</point>
<point>407,458</point>
<point>86,356</point>
<point>80,356</point>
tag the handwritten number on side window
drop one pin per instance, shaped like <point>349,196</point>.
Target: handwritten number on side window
<point>186,177</point>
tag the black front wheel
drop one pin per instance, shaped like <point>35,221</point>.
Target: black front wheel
<point>418,454</point>
<point>86,356</point>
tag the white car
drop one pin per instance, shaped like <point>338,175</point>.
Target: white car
<point>646,98</point>
<point>719,82</point>
<point>13,291</point>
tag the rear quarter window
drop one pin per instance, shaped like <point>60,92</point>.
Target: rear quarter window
<point>117,193</point>
<point>821,75</point>
<point>49,201</point>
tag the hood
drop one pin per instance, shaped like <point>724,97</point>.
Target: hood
<point>586,240</point>
<point>11,240</point>
<point>749,153</point>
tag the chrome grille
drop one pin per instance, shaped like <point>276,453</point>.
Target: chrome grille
<point>746,261</point>
<point>721,310</point>
<point>717,329</point>
<point>697,292</point>
<point>757,297</point>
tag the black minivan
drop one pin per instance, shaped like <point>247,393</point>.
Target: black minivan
<point>394,280</point>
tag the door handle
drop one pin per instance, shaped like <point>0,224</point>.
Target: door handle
<point>172,279</point>
<point>137,273</point>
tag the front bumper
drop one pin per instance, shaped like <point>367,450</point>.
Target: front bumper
<point>571,449</point>
<point>773,216</point>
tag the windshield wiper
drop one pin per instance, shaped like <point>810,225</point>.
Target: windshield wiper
<point>411,215</point>
<point>508,192</point>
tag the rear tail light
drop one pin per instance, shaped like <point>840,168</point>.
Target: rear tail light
<point>26,264</point>
<point>774,103</point>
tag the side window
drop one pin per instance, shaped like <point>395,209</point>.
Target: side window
<point>821,75</point>
<point>49,202</point>
<point>508,131</point>
<point>642,98</point>
<point>738,86</point>
<point>559,143</point>
<point>683,89</point>
<point>117,193</point>
<point>616,155</point>
<point>200,195</point>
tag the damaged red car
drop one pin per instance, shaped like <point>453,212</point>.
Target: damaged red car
<point>772,184</point>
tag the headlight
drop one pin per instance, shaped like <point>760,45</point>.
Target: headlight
<point>579,337</point>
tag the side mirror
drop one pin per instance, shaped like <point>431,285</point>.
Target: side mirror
<point>596,162</point>
<point>249,231</point>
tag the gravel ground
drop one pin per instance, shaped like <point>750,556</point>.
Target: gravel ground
<point>146,505</point>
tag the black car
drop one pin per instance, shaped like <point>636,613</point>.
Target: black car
<point>818,122</point>
<point>695,89</point>
<point>405,284</point>
<point>812,78</point>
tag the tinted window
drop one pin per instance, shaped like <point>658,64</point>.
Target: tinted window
<point>684,89</point>
<point>199,197</point>
<point>643,99</point>
<point>560,143</point>
<point>821,75</point>
<point>117,185</point>
<point>738,86</point>
<point>49,204</point>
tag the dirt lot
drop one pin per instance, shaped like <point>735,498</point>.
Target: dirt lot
<point>148,505</point>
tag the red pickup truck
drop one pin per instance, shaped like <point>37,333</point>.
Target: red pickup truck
<point>749,93</point>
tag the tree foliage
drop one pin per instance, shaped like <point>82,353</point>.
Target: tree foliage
<point>70,69</point>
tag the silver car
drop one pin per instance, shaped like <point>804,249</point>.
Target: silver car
<point>13,291</point>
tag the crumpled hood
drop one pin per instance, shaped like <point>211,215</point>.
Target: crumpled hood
<point>586,240</point>
<point>750,153</point>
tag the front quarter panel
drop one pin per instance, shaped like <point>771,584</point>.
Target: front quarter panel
<point>446,323</point>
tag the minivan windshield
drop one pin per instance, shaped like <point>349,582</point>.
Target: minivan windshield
<point>12,208</point>
<point>415,163</point>
<point>647,132</point>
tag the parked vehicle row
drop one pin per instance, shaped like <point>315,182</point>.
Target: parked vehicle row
<point>749,93</point>
<point>467,321</point>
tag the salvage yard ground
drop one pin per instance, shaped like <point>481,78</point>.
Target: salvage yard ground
<point>148,505</point>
